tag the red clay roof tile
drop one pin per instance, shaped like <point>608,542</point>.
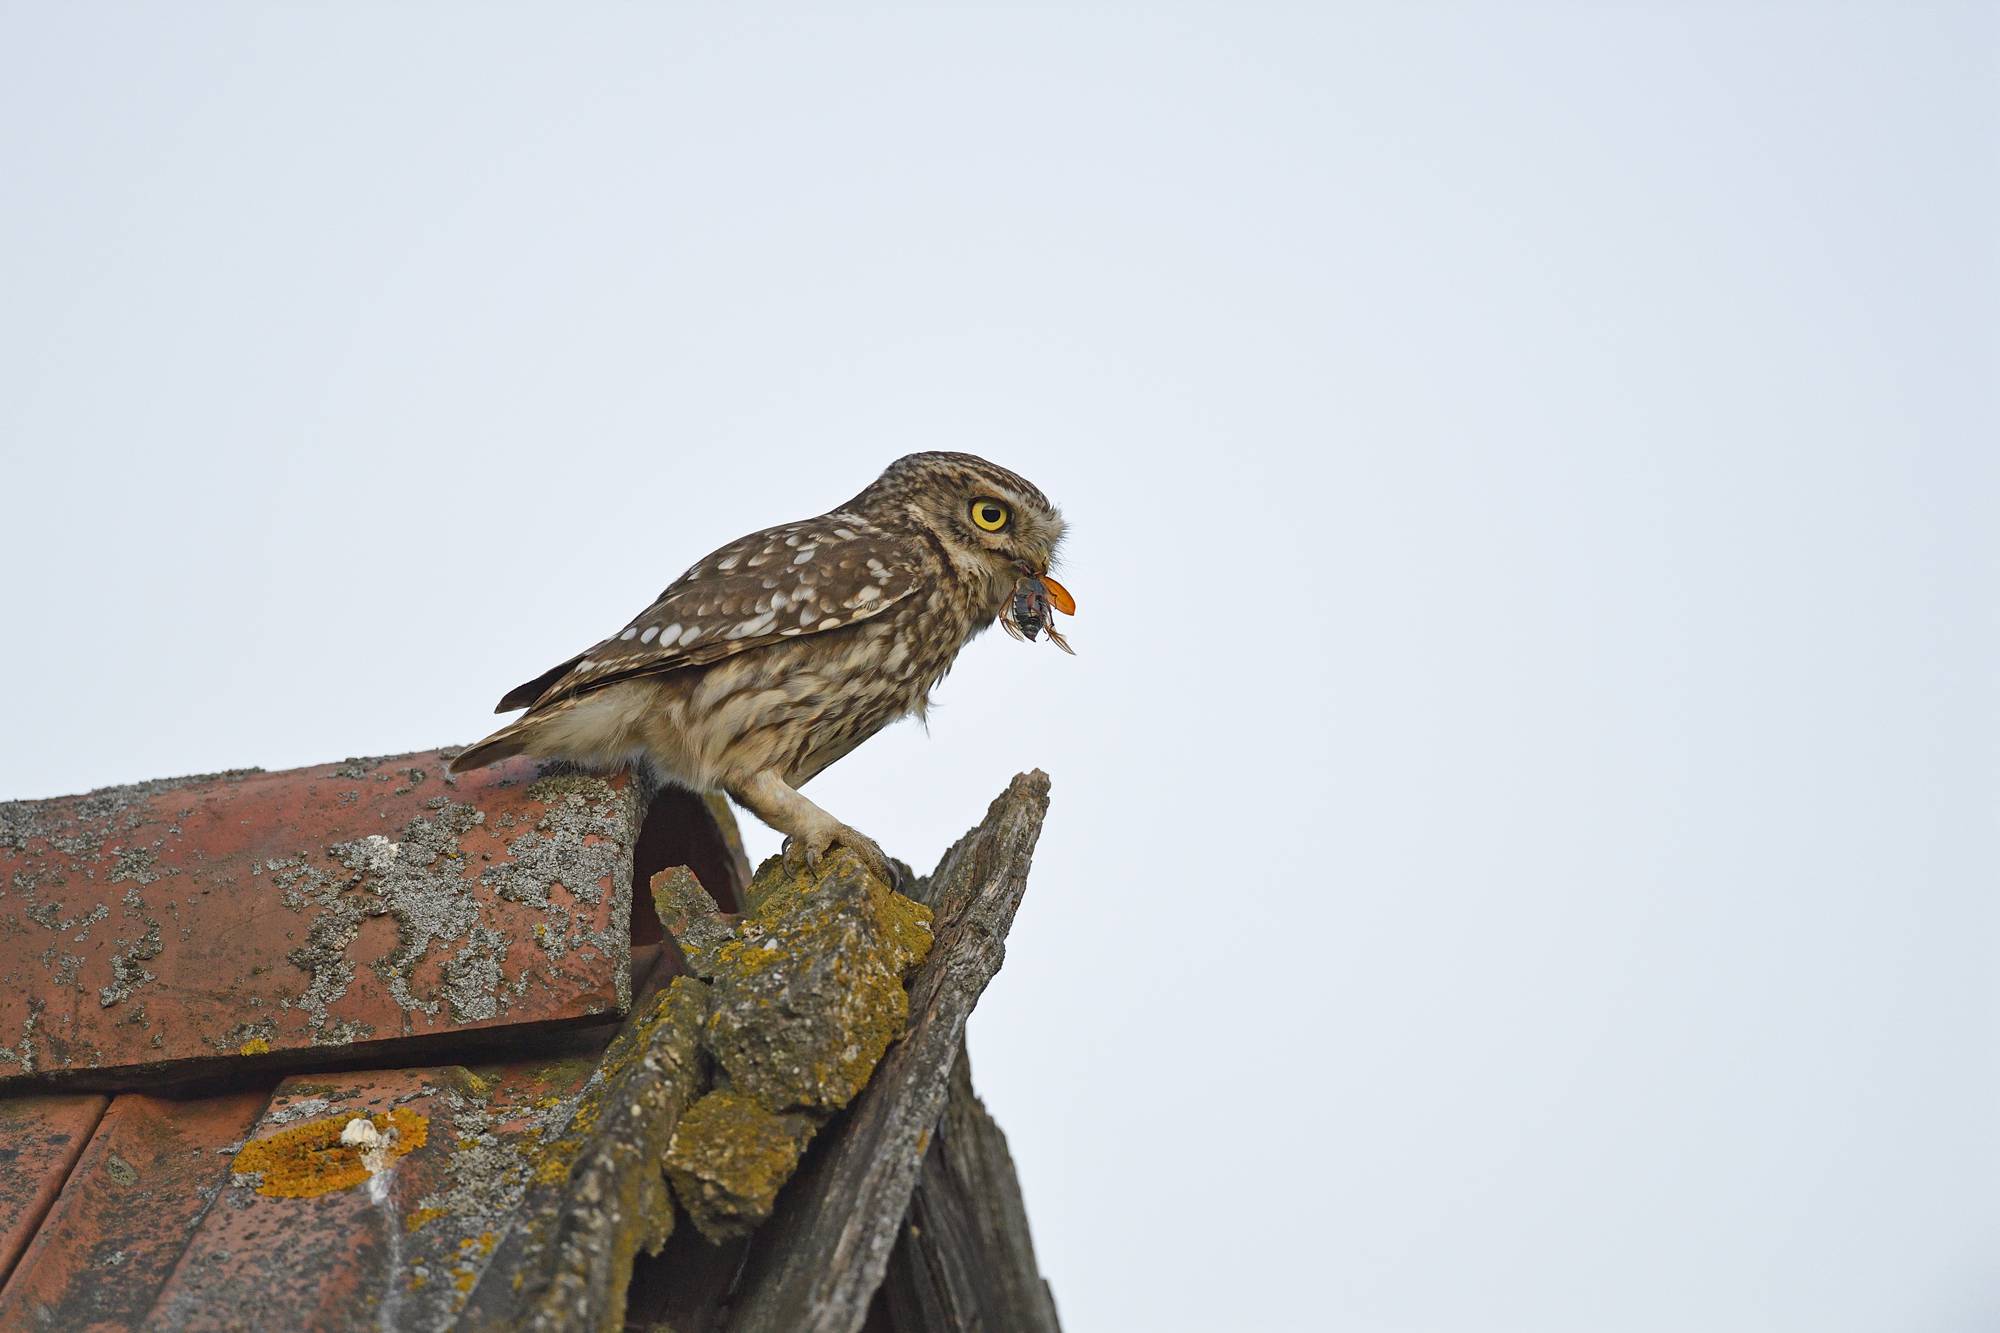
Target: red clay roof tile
<point>387,1230</point>
<point>260,1207</point>
<point>40,1138</point>
<point>336,906</point>
<point>125,1214</point>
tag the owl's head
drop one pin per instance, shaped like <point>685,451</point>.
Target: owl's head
<point>984,515</point>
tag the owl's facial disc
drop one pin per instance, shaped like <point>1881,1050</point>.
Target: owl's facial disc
<point>1025,541</point>
<point>1011,525</point>
<point>983,513</point>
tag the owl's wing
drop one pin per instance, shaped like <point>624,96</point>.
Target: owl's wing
<point>798,578</point>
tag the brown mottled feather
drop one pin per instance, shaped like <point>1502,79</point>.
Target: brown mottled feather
<point>755,590</point>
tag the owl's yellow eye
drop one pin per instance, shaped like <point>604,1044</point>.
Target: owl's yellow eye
<point>989,515</point>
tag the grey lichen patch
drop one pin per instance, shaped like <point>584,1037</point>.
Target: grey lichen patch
<point>472,979</point>
<point>24,1052</point>
<point>421,877</point>
<point>329,971</point>
<point>373,854</point>
<point>578,843</point>
<point>729,1158</point>
<point>18,823</point>
<point>304,886</point>
<point>252,1038</point>
<point>488,1170</point>
<point>419,881</point>
<point>305,1108</point>
<point>134,864</point>
<point>300,883</point>
<point>126,970</point>
<point>59,848</point>
<point>582,842</point>
<point>829,953</point>
<point>52,916</point>
<point>552,933</point>
<point>356,767</point>
<point>67,965</point>
<point>97,816</point>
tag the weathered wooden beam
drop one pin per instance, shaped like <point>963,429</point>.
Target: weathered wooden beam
<point>600,1198</point>
<point>815,1266</point>
<point>965,1262</point>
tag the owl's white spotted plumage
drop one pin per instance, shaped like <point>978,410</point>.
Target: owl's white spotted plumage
<point>779,653</point>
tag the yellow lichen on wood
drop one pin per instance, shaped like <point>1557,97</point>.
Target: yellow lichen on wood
<point>728,1159</point>
<point>555,1163</point>
<point>254,1046</point>
<point>830,953</point>
<point>309,1160</point>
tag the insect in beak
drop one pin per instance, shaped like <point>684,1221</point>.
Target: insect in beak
<point>1028,610</point>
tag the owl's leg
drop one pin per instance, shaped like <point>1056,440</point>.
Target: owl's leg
<point>809,830</point>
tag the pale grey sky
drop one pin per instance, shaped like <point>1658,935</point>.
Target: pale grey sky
<point>1524,829</point>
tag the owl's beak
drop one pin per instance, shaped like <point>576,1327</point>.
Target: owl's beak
<point>1059,596</point>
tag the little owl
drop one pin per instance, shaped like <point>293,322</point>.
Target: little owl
<point>778,654</point>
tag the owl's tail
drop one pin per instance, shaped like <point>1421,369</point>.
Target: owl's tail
<point>510,740</point>
<point>578,729</point>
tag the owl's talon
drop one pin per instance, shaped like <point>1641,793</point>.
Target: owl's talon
<point>808,853</point>
<point>870,853</point>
